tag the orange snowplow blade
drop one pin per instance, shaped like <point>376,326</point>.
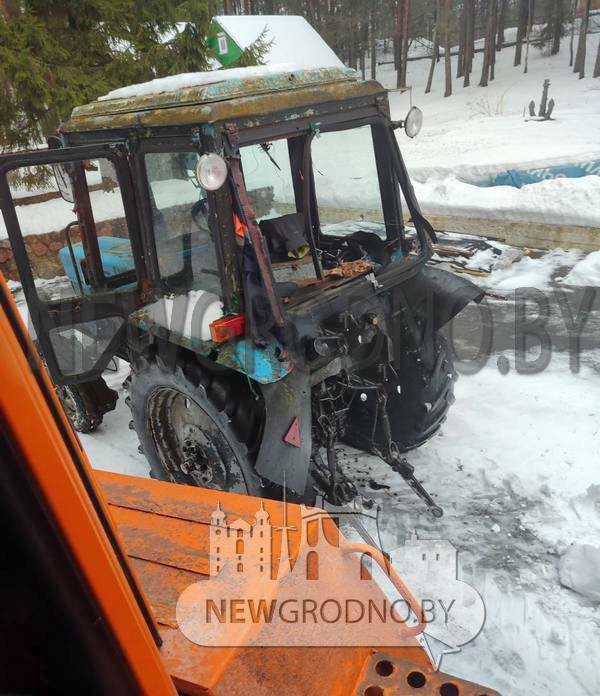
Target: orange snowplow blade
<point>165,529</point>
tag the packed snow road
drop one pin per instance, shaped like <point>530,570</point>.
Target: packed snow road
<point>516,468</point>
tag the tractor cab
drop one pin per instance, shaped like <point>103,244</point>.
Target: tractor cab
<point>238,237</point>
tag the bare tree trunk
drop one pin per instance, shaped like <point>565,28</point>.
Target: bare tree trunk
<point>373,45</point>
<point>521,30</point>
<point>447,57</point>
<point>462,40</point>
<point>531,8</point>
<point>398,42</point>
<point>573,15</point>
<point>434,49</point>
<point>494,12</point>
<point>556,20</point>
<point>405,33</point>
<point>597,64</point>
<point>470,22</point>
<point>10,8</point>
<point>581,44</point>
<point>488,46</point>
<point>501,25</point>
<point>364,42</point>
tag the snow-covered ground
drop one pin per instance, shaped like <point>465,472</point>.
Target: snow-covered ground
<point>480,131</point>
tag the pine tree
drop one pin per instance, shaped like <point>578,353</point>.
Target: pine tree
<point>55,54</point>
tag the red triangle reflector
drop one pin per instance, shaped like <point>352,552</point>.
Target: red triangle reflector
<point>292,437</point>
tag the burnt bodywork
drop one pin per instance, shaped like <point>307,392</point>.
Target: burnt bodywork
<point>348,353</point>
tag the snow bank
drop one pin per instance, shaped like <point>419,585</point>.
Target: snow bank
<point>579,570</point>
<point>556,201</point>
<point>585,272</point>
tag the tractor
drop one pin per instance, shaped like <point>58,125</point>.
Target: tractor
<point>238,238</point>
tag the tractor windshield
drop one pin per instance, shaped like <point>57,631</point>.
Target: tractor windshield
<point>346,182</point>
<point>327,202</point>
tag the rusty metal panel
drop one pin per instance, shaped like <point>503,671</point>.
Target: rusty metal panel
<point>299,101</point>
<point>389,675</point>
<point>219,90</point>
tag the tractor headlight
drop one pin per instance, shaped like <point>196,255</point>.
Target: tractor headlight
<point>413,121</point>
<point>211,171</point>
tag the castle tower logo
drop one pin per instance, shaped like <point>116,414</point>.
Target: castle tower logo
<point>241,543</point>
<point>297,581</point>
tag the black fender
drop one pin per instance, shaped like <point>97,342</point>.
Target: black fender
<point>443,292</point>
<point>279,461</point>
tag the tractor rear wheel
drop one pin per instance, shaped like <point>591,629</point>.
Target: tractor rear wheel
<point>415,411</point>
<point>186,436</point>
<point>427,378</point>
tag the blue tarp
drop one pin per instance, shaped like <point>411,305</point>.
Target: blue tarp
<point>518,178</point>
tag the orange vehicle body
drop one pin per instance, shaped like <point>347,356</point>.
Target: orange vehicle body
<point>136,544</point>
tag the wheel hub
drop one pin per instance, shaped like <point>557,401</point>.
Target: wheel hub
<point>198,456</point>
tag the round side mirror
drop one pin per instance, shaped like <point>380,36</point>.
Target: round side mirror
<point>211,171</point>
<point>413,122</point>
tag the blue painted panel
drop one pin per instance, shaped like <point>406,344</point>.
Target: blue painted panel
<point>116,258</point>
<point>518,178</point>
<point>261,364</point>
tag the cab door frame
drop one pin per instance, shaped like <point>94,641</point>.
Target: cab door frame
<point>105,303</point>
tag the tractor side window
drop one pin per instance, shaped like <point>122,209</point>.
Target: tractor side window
<point>186,250</point>
<point>347,182</point>
<point>52,236</point>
